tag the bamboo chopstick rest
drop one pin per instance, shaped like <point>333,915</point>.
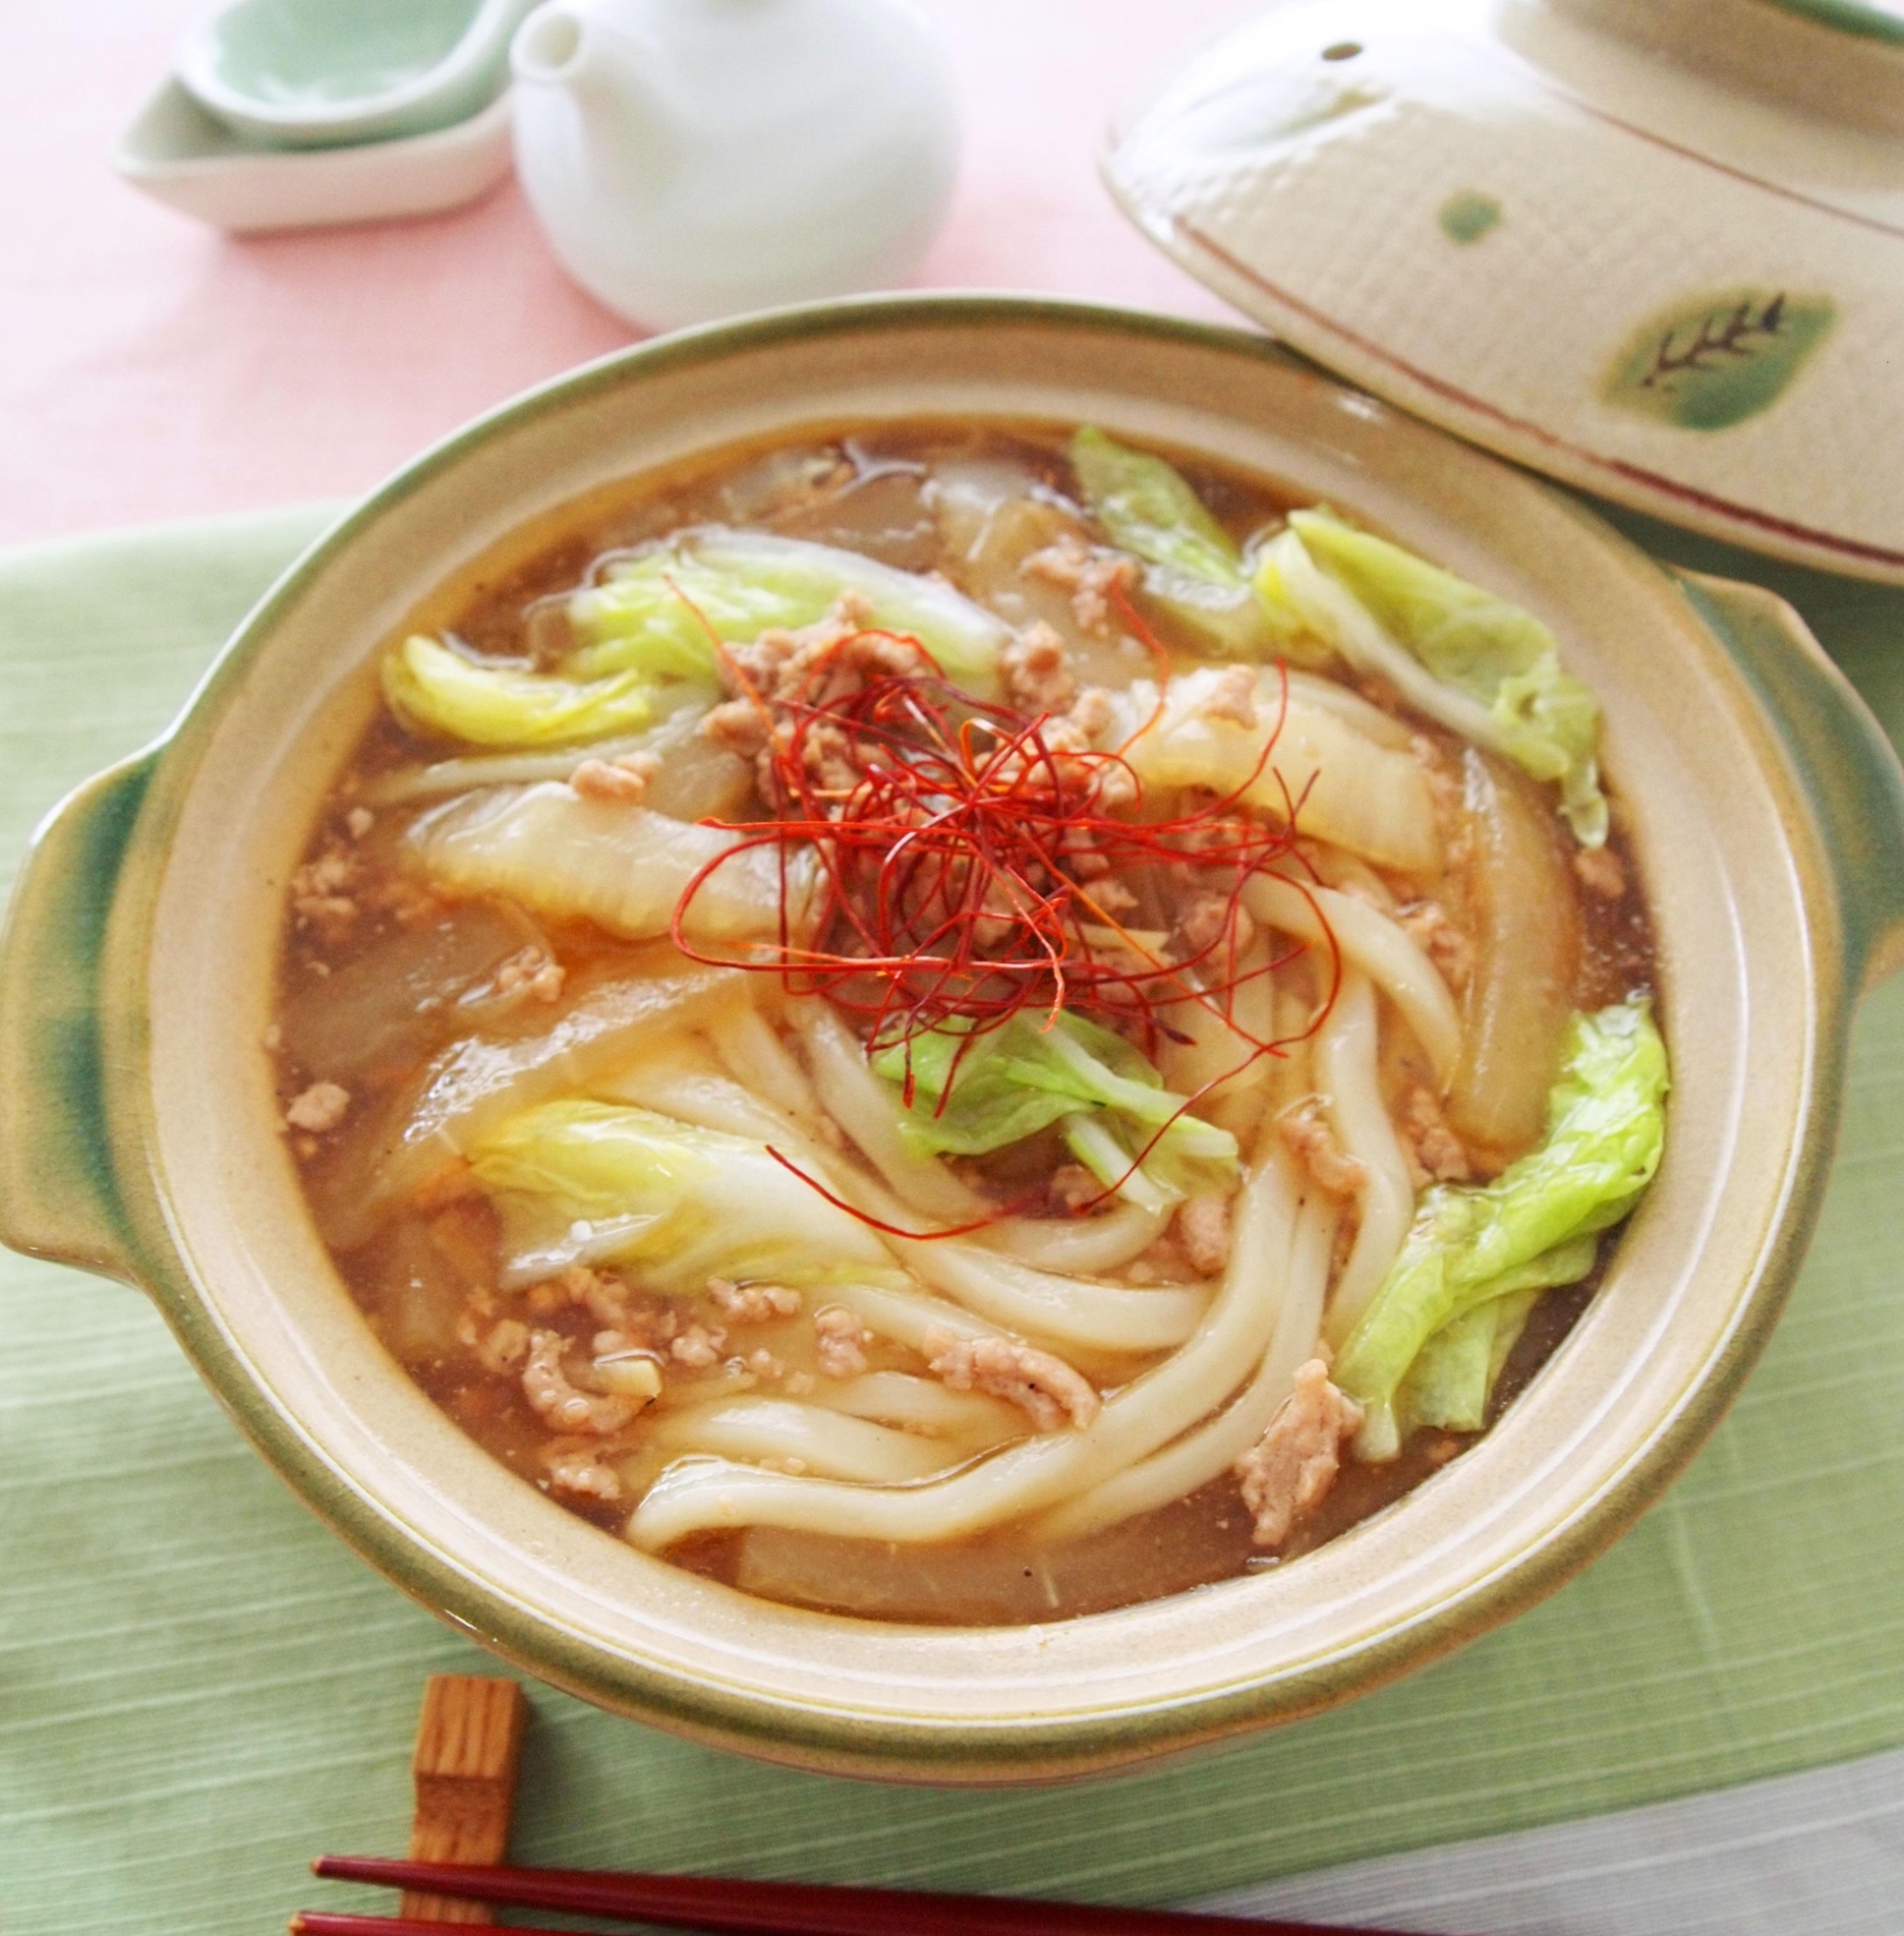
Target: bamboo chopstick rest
<point>469,1745</point>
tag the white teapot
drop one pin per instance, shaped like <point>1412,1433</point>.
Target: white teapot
<point>691,158</point>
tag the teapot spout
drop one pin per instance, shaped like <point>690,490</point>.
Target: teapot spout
<point>619,82</point>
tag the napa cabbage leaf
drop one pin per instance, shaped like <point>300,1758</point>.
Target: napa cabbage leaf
<point>1452,1381</point>
<point>435,690</point>
<point>1480,665</point>
<point>660,610</point>
<point>1469,1244</point>
<point>1193,567</point>
<point>582,1181</point>
<point>972,1093</point>
<point>1374,799</point>
<point>614,862</point>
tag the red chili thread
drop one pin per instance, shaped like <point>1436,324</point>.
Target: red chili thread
<point>954,848</point>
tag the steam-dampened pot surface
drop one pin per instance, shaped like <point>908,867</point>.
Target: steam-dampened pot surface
<point>403,959</point>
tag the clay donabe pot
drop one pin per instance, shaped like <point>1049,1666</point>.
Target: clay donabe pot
<point>140,1134</point>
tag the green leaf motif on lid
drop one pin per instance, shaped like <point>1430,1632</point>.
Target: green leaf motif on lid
<point>1466,216</point>
<point>1719,359</point>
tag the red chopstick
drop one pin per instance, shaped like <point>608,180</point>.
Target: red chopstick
<point>725,1907</point>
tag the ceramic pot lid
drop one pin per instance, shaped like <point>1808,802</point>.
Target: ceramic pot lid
<point>1613,239</point>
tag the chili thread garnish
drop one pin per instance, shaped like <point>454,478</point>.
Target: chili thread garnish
<point>948,863</point>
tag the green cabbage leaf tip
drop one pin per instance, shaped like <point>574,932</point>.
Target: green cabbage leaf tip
<point>435,690</point>
<point>1533,1226</point>
<point>1191,566</point>
<point>1482,666</point>
<point>1009,1084</point>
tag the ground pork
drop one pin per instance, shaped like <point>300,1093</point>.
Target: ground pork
<point>1211,918</point>
<point>1036,669</point>
<point>752,1303</point>
<point>332,872</point>
<point>534,969</point>
<point>1070,1186</point>
<point>1443,942</point>
<point>1107,896</point>
<point>1288,1470</point>
<point>1231,696</point>
<point>504,1347</point>
<point>404,901</point>
<point>620,779</point>
<point>358,822</point>
<point>1049,1390</point>
<point>819,664</point>
<point>558,1403</point>
<point>739,726</point>
<point>1601,872</point>
<point>699,1347</point>
<point>550,635</point>
<point>1435,1152</point>
<point>841,1341</point>
<point>320,893</point>
<point>580,1469</point>
<point>1203,1230</point>
<point>1090,712</point>
<point>606,1299</point>
<point>1092,578</point>
<point>1311,1138</point>
<point>319,1107</point>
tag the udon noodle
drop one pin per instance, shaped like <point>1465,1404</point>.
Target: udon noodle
<point>969,1023</point>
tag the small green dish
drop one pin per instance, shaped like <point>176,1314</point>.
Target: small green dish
<point>140,1133</point>
<point>313,73</point>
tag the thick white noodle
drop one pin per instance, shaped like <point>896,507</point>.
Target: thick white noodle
<point>1218,1058</point>
<point>1079,1244</point>
<point>750,1046</point>
<point>680,1075</point>
<point>903,1315</point>
<point>864,1107</point>
<point>1296,1071</point>
<point>1018,1297</point>
<point>1150,1411</point>
<point>1348,1074</point>
<point>829,1442</point>
<point>1386,952</point>
<point>921,1404</point>
<point>1213,1448</point>
<point>681,1080</point>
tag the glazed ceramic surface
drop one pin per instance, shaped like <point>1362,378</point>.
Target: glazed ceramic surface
<point>691,159</point>
<point>1652,246</point>
<point>177,154</point>
<point>302,74</point>
<point>139,1132</point>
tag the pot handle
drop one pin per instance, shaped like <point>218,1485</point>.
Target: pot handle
<point>1843,757</point>
<point>58,1195</point>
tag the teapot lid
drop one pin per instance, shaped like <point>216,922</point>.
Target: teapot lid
<point>1616,240</point>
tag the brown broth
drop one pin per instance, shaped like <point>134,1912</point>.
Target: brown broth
<point>426,1275</point>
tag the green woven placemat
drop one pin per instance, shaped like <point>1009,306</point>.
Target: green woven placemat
<point>199,1688</point>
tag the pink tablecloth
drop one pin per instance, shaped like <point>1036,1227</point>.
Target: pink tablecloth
<point>151,368</point>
